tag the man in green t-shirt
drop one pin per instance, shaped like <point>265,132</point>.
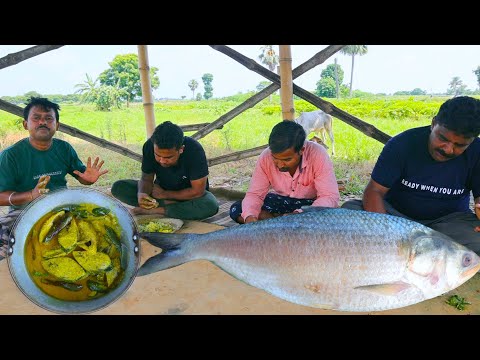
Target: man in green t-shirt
<point>37,164</point>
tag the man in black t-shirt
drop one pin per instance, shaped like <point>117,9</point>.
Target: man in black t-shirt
<point>427,174</point>
<point>174,178</point>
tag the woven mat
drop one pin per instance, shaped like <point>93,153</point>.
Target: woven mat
<point>222,218</point>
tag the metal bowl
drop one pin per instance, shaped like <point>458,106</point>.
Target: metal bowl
<point>145,219</point>
<point>42,205</point>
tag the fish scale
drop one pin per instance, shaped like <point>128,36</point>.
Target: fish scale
<point>329,258</point>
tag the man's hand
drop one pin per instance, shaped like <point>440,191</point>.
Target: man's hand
<point>92,172</point>
<point>41,187</point>
<point>477,212</point>
<point>146,201</point>
<point>250,219</point>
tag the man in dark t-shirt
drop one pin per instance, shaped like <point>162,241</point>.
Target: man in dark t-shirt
<point>426,174</point>
<point>174,179</point>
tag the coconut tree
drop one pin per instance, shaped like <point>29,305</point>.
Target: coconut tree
<point>269,58</point>
<point>193,84</point>
<point>353,50</point>
<point>88,89</point>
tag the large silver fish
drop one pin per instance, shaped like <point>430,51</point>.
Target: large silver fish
<point>337,259</point>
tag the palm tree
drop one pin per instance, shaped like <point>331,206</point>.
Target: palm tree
<point>457,87</point>
<point>269,58</point>
<point>353,50</point>
<point>88,89</point>
<point>193,84</point>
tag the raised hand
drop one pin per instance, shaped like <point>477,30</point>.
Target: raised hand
<point>92,172</point>
<point>41,187</point>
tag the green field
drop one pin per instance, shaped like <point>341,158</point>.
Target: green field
<point>355,156</point>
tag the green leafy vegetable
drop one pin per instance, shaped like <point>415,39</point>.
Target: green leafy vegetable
<point>458,302</point>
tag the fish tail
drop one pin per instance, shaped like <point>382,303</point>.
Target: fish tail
<point>165,241</point>
<point>172,252</point>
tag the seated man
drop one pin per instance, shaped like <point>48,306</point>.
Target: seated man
<point>299,172</point>
<point>174,178</point>
<point>426,173</point>
<point>37,164</point>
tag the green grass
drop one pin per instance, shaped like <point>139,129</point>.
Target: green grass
<point>356,153</point>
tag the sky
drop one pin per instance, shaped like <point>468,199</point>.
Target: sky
<point>384,69</point>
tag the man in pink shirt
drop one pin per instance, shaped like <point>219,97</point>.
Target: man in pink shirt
<point>298,172</point>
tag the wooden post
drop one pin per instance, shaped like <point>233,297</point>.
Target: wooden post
<point>286,89</point>
<point>148,105</point>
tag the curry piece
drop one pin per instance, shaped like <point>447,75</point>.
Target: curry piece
<point>48,225</point>
<point>93,263</point>
<point>64,268</point>
<point>68,237</point>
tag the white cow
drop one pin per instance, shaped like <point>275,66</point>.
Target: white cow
<point>317,121</point>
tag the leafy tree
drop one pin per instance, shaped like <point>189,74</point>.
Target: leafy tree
<point>353,50</point>
<point>30,94</point>
<point>262,85</point>
<point>199,97</point>
<point>124,72</point>
<point>326,87</point>
<point>207,85</point>
<point>456,86</point>
<point>193,84</point>
<point>329,71</point>
<point>418,91</point>
<point>477,73</point>
<point>107,97</point>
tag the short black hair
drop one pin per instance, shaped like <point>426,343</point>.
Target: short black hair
<point>285,135</point>
<point>461,115</point>
<point>167,135</point>
<point>44,103</point>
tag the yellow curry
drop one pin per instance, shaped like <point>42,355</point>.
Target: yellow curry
<point>74,252</point>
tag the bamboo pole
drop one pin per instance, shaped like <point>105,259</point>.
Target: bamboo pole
<point>317,59</point>
<point>147,97</point>
<point>70,130</point>
<point>286,87</point>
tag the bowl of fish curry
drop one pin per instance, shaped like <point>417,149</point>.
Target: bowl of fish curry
<point>74,250</point>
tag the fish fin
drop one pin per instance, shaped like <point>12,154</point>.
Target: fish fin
<point>165,241</point>
<point>438,269</point>
<point>162,261</point>
<point>172,253</point>
<point>386,289</point>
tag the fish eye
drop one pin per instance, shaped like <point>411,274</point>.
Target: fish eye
<point>467,260</point>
